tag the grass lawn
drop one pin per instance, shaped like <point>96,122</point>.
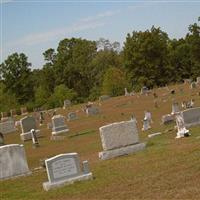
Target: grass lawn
<point>168,168</point>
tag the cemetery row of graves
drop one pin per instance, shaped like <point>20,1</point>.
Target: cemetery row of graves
<point>125,125</point>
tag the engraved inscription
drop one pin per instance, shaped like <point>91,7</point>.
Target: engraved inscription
<point>64,167</point>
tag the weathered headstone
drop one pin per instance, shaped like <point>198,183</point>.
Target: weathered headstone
<point>175,108</point>
<point>59,126</point>
<point>67,103</point>
<point>119,139</point>
<point>182,131</point>
<point>24,111</point>
<point>27,124</point>
<point>144,90</point>
<point>64,169</point>
<point>126,93</point>
<point>72,116</point>
<point>191,117</point>
<point>7,127</point>
<point>13,112</point>
<point>146,125</point>
<point>92,110</point>
<point>4,116</point>
<point>193,85</point>
<point>13,161</point>
<point>198,80</point>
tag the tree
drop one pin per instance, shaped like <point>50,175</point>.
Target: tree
<point>145,57</point>
<point>16,76</point>
<point>114,82</point>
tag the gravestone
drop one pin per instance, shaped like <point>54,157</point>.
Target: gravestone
<point>126,92</point>
<point>13,161</point>
<point>59,126</point>
<point>175,108</point>
<point>24,111</point>
<point>191,117</point>
<point>193,85</point>
<point>27,124</point>
<point>144,91</point>
<point>92,111</point>
<point>146,125</point>
<point>64,169</point>
<point>72,116</point>
<point>13,112</point>
<point>7,127</point>
<point>182,131</point>
<point>67,103</point>
<point>4,116</point>
<point>104,97</point>
<point>119,139</point>
<point>49,125</point>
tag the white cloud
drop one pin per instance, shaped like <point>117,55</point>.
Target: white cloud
<point>100,16</point>
<point>88,23</point>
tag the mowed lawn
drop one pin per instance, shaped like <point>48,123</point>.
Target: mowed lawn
<point>168,168</point>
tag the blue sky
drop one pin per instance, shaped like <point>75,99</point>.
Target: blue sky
<point>32,27</point>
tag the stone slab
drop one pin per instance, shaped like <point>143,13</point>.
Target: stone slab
<point>104,155</point>
<point>191,117</point>
<point>13,161</point>
<point>119,134</point>
<point>27,136</point>
<point>7,127</point>
<point>48,185</point>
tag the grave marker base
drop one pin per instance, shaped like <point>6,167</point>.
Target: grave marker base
<point>104,155</point>
<point>48,185</point>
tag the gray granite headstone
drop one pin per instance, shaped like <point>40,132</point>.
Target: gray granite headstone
<point>7,127</point>
<point>72,116</point>
<point>191,117</point>
<point>67,103</point>
<point>58,125</point>
<point>27,124</point>
<point>92,110</point>
<point>13,161</point>
<point>64,169</point>
<point>119,138</point>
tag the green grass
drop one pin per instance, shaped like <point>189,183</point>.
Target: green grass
<point>167,168</point>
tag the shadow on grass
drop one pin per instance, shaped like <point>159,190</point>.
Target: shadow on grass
<point>82,133</point>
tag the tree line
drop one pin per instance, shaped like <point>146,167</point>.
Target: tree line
<point>82,70</point>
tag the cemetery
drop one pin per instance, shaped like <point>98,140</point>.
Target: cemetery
<point>106,154</point>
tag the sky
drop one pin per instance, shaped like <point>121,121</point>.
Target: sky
<point>33,26</point>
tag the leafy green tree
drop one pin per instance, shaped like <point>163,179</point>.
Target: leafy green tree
<point>61,92</point>
<point>16,76</point>
<point>145,57</point>
<point>114,82</point>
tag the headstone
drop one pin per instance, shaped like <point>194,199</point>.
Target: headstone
<point>41,118</point>
<point>166,119</point>
<point>4,116</point>
<point>144,91</point>
<point>119,139</point>
<point>182,131</point>
<point>198,80</point>
<point>92,110</point>
<point>1,139</point>
<point>193,85</point>
<point>13,161</point>
<point>126,92</point>
<point>24,111</point>
<point>13,112</point>
<point>64,169</point>
<point>191,117</point>
<point>146,125</point>
<point>34,138</point>
<point>67,103</point>
<point>7,127</point>
<point>27,124</point>
<point>104,97</point>
<point>175,108</point>
<point>59,126</point>
<point>72,116</point>
<point>49,125</point>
